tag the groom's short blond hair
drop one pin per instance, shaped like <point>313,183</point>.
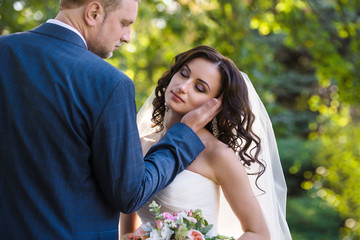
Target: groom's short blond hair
<point>108,5</point>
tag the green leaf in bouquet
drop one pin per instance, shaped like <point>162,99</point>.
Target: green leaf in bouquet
<point>206,229</point>
<point>181,233</point>
<point>197,214</point>
<point>154,207</point>
<point>189,225</point>
<point>210,238</point>
<point>198,224</point>
<point>222,237</point>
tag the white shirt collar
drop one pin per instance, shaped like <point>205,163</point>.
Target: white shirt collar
<point>57,22</point>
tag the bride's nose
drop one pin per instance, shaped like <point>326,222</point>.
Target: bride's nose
<point>182,88</point>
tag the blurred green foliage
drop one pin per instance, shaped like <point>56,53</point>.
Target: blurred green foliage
<point>313,218</point>
<point>303,57</point>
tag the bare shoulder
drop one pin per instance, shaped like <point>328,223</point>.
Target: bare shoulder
<point>219,158</point>
<point>216,150</point>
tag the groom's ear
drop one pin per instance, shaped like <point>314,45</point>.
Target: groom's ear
<point>94,13</point>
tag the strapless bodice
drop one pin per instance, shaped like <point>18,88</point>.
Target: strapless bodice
<point>189,190</point>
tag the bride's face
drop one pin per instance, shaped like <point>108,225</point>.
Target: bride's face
<point>197,82</point>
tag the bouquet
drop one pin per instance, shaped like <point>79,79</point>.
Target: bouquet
<point>177,226</point>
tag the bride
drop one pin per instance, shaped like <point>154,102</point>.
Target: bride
<point>237,180</point>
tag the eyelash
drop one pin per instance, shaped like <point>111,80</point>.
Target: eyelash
<point>183,74</point>
<point>124,24</point>
<point>198,86</point>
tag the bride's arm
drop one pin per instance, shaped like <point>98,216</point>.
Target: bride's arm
<point>128,224</point>
<point>232,176</point>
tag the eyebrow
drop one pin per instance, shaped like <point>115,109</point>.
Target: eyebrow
<point>127,22</point>
<point>198,78</point>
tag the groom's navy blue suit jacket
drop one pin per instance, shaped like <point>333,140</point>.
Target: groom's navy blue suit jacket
<point>70,154</point>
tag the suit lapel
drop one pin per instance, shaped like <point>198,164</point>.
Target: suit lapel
<point>59,32</point>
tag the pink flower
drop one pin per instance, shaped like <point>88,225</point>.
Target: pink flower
<point>191,219</point>
<point>195,235</point>
<point>159,224</point>
<point>190,212</point>
<point>139,233</point>
<point>167,215</point>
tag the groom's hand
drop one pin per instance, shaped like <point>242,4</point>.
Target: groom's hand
<point>198,118</point>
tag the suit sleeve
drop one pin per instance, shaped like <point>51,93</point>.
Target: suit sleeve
<point>126,178</point>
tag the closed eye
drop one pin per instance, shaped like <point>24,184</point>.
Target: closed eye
<point>203,84</point>
<point>184,73</point>
<point>200,87</point>
<point>126,23</point>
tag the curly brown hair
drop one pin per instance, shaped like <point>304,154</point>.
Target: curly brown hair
<point>235,119</point>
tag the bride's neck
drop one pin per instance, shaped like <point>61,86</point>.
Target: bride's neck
<point>170,119</point>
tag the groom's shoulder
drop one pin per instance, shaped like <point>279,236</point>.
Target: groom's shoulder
<point>106,70</point>
<point>10,38</point>
<point>99,72</point>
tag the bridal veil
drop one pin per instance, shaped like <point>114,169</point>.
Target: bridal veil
<point>273,200</point>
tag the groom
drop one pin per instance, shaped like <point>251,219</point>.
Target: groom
<point>70,155</point>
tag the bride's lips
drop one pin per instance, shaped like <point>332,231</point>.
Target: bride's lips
<point>176,97</point>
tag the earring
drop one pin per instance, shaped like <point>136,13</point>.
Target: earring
<point>214,127</point>
<point>166,108</point>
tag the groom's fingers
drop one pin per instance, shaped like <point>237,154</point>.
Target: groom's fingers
<point>198,118</point>
<point>220,100</point>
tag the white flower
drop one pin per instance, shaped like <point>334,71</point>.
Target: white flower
<point>170,223</point>
<point>164,234</point>
<point>155,234</point>
<point>181,216</point>
<point>167,232</point>
<point>154,205</point>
